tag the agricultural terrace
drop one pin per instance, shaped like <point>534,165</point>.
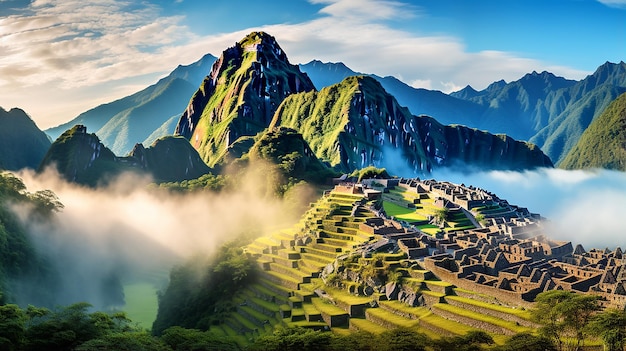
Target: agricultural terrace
<point>321,275</point>
<point>421,210</point>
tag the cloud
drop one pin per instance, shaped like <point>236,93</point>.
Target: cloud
<point>620,4</point>
<point>57,50</point>
<point>136,233</point>
<point>582,206</point>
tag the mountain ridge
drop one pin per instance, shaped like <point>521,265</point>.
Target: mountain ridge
<point>22,143</point>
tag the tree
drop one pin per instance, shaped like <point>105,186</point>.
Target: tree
<point>610,325</point>
<point>440,216</point>
<point>126,341</point>
<point>404,339</point>
<point>181,339</point>
<point>564,316</point>
<point>12,328</point>
<point>527,342</point>
<point>472,341</point>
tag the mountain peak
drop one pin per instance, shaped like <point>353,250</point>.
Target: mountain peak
<point>496,85</point>
<point>242,91</point>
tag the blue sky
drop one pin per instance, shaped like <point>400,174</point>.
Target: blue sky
<point>61,57</point>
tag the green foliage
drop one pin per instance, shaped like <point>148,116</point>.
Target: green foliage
<point>603,144</point>
<point>288,339</point>
<point>441,215</point>
<point>73,327</point>
<point>610,325</point>
<point>180,339</point>
<point>206,182</point>
<point>471,341</point>
<point>564,316</point>
<point>527,342</point>
<point>18,257</point>
<point>199,291</point>
<point>370,172</point>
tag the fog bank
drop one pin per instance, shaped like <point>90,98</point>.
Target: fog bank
<point>582,206</point>
<point>129,232</point>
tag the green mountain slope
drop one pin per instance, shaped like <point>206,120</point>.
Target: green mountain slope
<point>80,157</point>
<point>603,144</point>
<point>445,108</point>
<point>240,95</point>
<point>549,111</point>
<point>132,119</point>
<point>356,123</point>
<point>22,143</point>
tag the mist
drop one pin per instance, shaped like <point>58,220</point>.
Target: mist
<point>582,206</point>
<point>131,232</point>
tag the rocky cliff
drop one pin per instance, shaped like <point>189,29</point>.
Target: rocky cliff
<point>356,123</point>
<point>239,96</point>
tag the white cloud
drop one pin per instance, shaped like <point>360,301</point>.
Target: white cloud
<point>100,49</point>
<point>582,206</point>
<point>614,3</point>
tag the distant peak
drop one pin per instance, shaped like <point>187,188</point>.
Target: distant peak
<point>496,85</point>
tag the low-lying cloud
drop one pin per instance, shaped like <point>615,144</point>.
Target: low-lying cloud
<point>136,233</point>
<point>581,206</point>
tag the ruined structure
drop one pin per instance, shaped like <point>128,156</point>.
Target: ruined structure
<point>508,256</point>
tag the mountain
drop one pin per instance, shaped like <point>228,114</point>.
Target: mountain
<point>22,143</point>
<point>356,123</point>
<point>549,111</point>
<point>239,97</point>
<point>293,157</point>
<point>445,108</point>
<point>519,108</point>
<point>583,102</point>
<point>81,157</point>
<point>603,144</point>
<point>143,116</point>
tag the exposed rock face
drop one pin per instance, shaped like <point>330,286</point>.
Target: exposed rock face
<point>81,158</point>
<point>355,123</point>
<point>22,143</point>
<point>239,96</point>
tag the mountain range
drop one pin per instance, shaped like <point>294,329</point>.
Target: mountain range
<point>549,111</point>
<point>145,115</point>
<point>214,102</point>
<point>350,125</point>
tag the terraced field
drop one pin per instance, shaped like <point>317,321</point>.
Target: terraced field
<point>413,208</point>
<point>290,291</point>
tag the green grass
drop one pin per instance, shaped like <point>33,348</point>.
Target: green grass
<point>482,317</point>
<point>392,318</point>
<point>452,326</point>
<point>525,314</point>
<point>365,325</point>
<point>141,303</point>
<point>402,213</point>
